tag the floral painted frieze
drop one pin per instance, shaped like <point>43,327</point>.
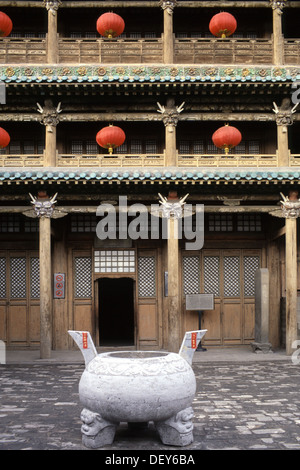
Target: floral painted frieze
<point>149,73</point>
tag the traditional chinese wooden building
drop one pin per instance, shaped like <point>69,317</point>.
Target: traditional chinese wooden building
<point>169,83</point>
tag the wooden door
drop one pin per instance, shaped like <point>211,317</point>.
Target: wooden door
<point>229,275</point>
<point>82,287</point>
<point>19,298</point>
<point>147,294</point>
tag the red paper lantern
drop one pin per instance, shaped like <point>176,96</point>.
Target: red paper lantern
<point>226,137</point>
<point>110,137</point>
<point>110,25</point>
<point>222,25</point>
<point>4,138</point>
<point>5,25</point>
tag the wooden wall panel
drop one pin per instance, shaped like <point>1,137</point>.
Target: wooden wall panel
<point>34,323</point>
<point>3,322</point>
<point>83,317</point>
<point>211,321</point>
<point>17,323</point>
<point>147,322</point>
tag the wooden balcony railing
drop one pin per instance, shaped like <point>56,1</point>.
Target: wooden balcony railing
<point>222,160</point>
<point>122,51</point>
<point>21,160</point>
<point>84,51</point>
<point>223,51</point>
<point>23,50</point>
<point>292,51</point>
<point>111,161</point>
<point>149,160</point>
<point>295,159</point>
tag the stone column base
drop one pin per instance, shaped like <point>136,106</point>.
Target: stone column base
<point>261,348</point>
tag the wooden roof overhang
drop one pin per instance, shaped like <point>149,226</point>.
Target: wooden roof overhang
<point>81,190</point>
<point>99,85</point>
<point>151,175</point>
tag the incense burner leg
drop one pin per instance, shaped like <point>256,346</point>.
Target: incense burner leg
<point>96,431</point>
<point>177,430</point>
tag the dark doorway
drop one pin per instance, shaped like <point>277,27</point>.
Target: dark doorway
<point>116,312</point>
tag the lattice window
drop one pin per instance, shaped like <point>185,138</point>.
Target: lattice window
<point>249,223</point>
<point>198,147</point>
<point>220,223</point>
<point>191,275</point>
<point>10,223</point>
<point>146,276</point>
<point>254,147</point>
<point>83,277</point>
<point>31,225</point>
<point>251,264</point>
<point>77,147</point>
<point>211,273</point>
<point>34,278</point>
<point>2,278</point>
<point>114,261</point>
<point>151,146</point>
<point>136,146</point>
<point>231,276</point>
<point>83,223</point>
<point>28,147</point>
<point>18,278</point>
<point>91,147</point>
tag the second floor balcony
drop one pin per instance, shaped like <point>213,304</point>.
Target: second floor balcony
<point>147,50</point>
<point>147,160</point>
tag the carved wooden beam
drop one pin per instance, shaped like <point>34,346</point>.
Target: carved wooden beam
<point>148,4</point>
<point>149,117</point>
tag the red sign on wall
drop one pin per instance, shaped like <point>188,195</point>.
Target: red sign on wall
<point>59,286</point>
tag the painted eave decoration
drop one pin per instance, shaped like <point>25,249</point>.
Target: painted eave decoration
<point>146,74</point>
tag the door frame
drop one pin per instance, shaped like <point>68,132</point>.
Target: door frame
<point>96,305</point>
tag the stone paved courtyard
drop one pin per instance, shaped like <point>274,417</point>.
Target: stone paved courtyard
<point>242,406</point>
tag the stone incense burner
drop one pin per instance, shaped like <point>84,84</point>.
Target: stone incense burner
<point>137,387</point>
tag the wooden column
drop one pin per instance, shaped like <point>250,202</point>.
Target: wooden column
<point>52,37</point>
<point>174,328</point>
<point>50,119</point>
<point>291,283</point>
<point>170,142</point>
<point>283,146</point>
<point>50,146</point>
<point>278,40</point>
<point>43,207</point>
<point>45,288</point>
<point>168,38</point>
<point>284,119</point>
<point>291,209</point>
<point>170,117</point>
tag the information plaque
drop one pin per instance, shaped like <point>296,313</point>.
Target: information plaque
<point>199,302</point>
